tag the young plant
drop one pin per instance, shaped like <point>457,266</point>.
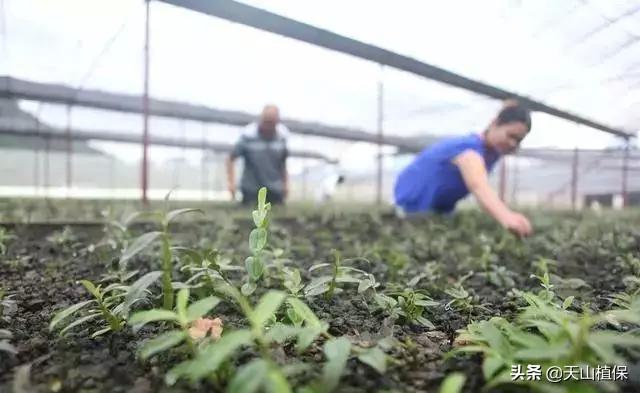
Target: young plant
<point>262,372</point>
<point>192,328</point>
<point>206,268</point>
<point>548,336</point>
<point>408,303</point>
<point>5,238</point>
<point>255,264</point>
<point>111,304</point>
<point>329,284</point>
<point>499,276</point>
<point>463,301</point>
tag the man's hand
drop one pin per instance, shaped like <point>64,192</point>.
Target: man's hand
<point>516,223</point>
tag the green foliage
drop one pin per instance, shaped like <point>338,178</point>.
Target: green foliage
<point>111,304</point>
<point>547,335</point>
<point>5,238</point>
<point>183,317</point>
<point>340,275</point>
<point>453,383</point>
<point>255,264</point>
<point>262,333</point>
<point>409,304</point>
<point>462,300</point>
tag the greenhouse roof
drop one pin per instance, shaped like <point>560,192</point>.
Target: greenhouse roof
<point>579,56</point>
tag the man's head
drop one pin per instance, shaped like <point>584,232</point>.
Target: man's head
<point>509,128</point>
<point>269,119</point>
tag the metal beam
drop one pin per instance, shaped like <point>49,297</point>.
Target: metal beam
<point>84,135</point>
<point>65,95</point>
<point>274,23</point>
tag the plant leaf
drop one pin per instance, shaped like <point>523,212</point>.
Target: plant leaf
<point>91,288</point>
<point>267,307</point>
<point>137,289</point>
<point>141,318</point>
<point>161,343</point>
<point>67,312</point>
<point>178,212</point>
<point>101,332</point>
<point>139,244</point>
<point>337,351</point>
<point>276,382</point>
<point>490,366</point>
<point>78,322</point>
<point>201,307</point>
<point>181,304</point>
<point>305,312</point>
<point>257,239</point>
<point>249,377</point>
<point>453,383</point>
<point>209,358</point>
<point>375,358</point>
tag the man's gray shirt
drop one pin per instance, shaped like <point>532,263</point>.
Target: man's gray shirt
<point>264,159</point>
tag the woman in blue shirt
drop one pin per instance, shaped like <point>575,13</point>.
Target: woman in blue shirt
<point>449,170</point>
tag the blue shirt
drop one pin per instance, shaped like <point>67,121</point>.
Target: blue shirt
<point>432,182</point>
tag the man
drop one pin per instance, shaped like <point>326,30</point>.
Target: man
<point>263,147</point>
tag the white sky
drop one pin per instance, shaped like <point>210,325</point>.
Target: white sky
<point>528,46</point>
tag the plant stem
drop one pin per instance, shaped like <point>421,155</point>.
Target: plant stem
<point>167,287</point>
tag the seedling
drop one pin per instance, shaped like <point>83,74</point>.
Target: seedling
<point>409,304</point>
<point>499,276</point>
<point>206,268</point>
<point>548,336</point>
<point>255,264</point>
<point>111,304</point>
<point>329,284</point>
<point>188,318</point>
<point>5,238</point>
<point>263,372</point>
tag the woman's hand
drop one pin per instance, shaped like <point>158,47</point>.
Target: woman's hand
<point>516,223</point>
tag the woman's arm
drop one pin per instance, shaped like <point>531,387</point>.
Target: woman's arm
<point>475,177</point>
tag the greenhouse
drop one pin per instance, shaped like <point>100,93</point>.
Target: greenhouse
<point>314,197</point>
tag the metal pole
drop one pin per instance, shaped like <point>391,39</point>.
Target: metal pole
<point>47,148</point>
<point>503,179</point>
<point>69,149</point>
<point>574,180</point>
<point>380,136</point>
<point>625,171</point>
<point>203,162</point>
<point>145,110</point>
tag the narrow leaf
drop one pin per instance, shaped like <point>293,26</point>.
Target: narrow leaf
<point>137,289</point>
<point>267,307</point>
<point>375,358</point>
<point>453,383</point>
<point>249,377</point>
<point>141,318</point>
<point>337,351</point>
<point>67,312</point>
<point>201,307</point>
<point>161,343</point>
<point>305,312</point>
<point>178,212</point>
<point>139,244</point>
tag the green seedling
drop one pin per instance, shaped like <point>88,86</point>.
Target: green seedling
<point>463,301</point>
<point>499,276</point>
<point>5,238</point>
<point>111,304</point>
<point>548,336</point>
<point>185,318</point>
<point>255,264</point>
<point>262,372</point>
<point>409,304</point>
<point>330,284</point>
<point>205,268</point>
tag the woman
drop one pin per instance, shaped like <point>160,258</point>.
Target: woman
<point>447,171</point>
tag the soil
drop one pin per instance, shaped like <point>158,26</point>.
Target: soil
<point>41,276</point>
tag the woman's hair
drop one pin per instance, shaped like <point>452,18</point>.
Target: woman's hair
<point>511,112</point>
